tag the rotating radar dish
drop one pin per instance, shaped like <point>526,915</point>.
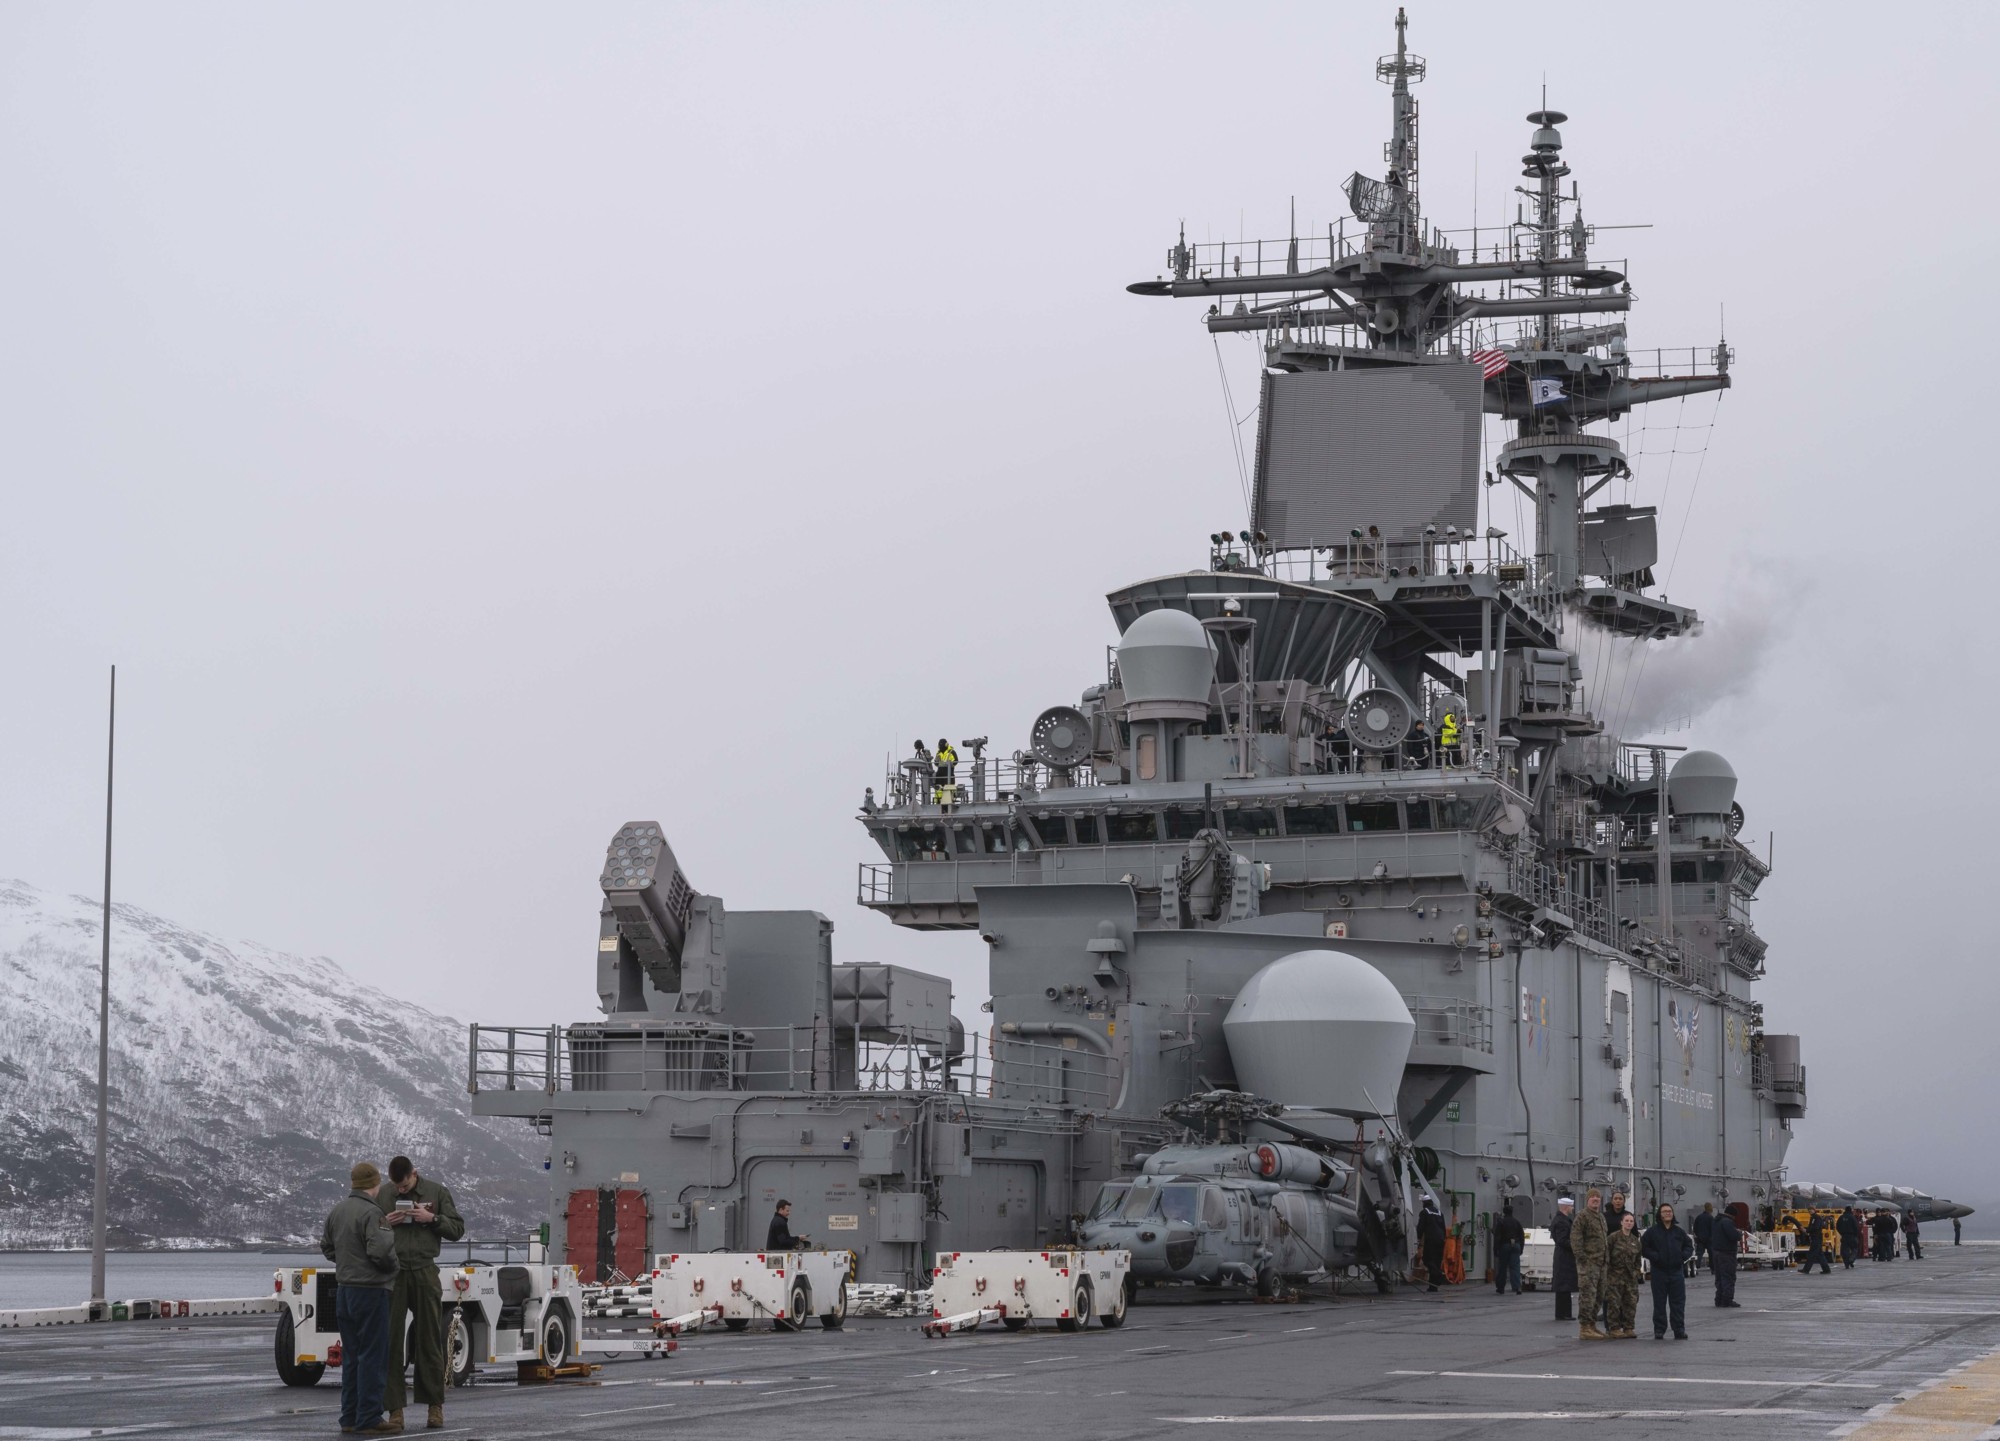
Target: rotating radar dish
<point>1735,821</point>
<point>1377,720</point>
<point>1061,736</point>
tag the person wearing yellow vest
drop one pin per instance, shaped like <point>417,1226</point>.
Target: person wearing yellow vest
<point>1448,737</point>
<point>945,770</point>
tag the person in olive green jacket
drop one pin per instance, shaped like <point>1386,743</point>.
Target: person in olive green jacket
<point>1587,1240</point>
<point>423,1217</point>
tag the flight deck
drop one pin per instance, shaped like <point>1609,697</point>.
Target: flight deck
<point>1906,1348</point>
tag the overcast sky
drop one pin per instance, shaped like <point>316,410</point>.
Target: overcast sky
<point>471,427</point>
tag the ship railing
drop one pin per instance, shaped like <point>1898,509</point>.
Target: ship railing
<point>1345,237</point>
<point>912,784</point>
<point>1447,1021</point>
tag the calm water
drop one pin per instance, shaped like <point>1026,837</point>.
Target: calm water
<point>62,1278</point>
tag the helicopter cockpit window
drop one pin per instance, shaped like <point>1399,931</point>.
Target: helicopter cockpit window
<point>1107,1201</point>
<point>1139,1203</point>
<point>1180,1203</point>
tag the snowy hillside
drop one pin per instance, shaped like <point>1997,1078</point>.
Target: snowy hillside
<point>244,1082</point>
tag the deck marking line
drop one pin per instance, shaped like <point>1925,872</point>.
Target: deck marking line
<point>1662,1380</point>
<point>1332,1417</point>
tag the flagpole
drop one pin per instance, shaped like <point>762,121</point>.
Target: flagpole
<point>100,1204</point>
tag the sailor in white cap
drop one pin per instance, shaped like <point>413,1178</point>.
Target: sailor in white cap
<point>1565,1259</point>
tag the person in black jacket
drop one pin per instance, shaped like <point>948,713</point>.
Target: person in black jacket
<point>1724,1240</point>
<point>1667,1249</point>
<point>1885,1235</point>
<point>1849,1229</point>
<point>1704,1226</point>
<point>1430,1239</point>
<point>780,1237</point>
<point>1815,1239</point>
<point>1564,1268</point>
<point>1509,1239</point>
<point>1913,1246</point>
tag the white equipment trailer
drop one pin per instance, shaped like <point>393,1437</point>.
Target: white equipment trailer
<point>494,1315</point>
<point>969,1288</point>
<point>787,1288</point>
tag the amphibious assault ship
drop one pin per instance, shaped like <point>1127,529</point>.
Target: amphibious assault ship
<point>1355,740</point>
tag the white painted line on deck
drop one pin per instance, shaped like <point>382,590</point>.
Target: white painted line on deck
<point>1661,1380</point>
<point>625,1410</point>
<point>1296,1329</point>
<point>1331,1417</point>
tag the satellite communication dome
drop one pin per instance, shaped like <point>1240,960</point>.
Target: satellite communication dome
<point>1702,783</point>
<point>1323,1030</point>
<point>1167,663</point>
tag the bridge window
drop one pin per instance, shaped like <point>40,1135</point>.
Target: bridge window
<point>968,840</point>
<point>1053,830</point>
<point>1450,814</point>
<point>1182,823</point>
<point>1131,830</point>
<point>926,843</point>
<point>1374,816</point>
<point>996,840</point>
<point>1313,821</point>
<point>1251,823</point>
<point>1086,830</point>
<point>1417,815</point>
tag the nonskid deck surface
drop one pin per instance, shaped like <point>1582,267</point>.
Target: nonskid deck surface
<point>1804,1357</point>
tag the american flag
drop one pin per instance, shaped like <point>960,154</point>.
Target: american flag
<point>1490,362</point>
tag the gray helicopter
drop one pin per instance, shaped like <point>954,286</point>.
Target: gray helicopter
<point>1256,1213</point>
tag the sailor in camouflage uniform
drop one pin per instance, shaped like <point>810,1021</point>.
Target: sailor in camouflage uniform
<point>1621,1278</point>
<point>1587,1240</point>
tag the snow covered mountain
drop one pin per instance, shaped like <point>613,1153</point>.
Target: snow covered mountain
<point>244,1083</point>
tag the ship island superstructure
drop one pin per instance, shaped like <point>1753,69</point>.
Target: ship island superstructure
<point>1358,728</point>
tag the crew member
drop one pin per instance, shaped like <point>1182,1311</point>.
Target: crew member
<point>363,1252</point>
<point>1509,1239</point>
<point>945,771</point>
<point>1621,1278</point>
<point>1667,1248</point>
<point>1724,1240</point>
<point>1704,1227</point>
<point>1954,1232</point>
<point>1816,1253</point>
<point>1614,1216</point>
<point>1430,1240</point>
<point>423,1217</point>
<point>1913,1246</point>
<point>1563,1278</point>
<point>1587,1242</point>
<point>780,1237</point>
<point>1848,1228</point>
<point>1448,737</point>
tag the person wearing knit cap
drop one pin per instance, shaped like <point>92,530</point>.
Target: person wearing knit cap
<point>363,1252</point>
<point>1563,1280</point>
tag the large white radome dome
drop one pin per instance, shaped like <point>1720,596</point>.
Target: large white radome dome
<point>1321,1029</point>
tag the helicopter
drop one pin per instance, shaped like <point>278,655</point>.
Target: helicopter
<point>1258,1213</point>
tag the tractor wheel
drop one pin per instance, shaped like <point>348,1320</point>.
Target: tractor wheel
<point>1114,1316</point>
<point>291,1370</point>
<point>836,1318</point>
<point>798,1306</point>
<point>556,1337</point>
<point>458,1363</point>
<point>1080,1309</point>
<point>736,1323</point>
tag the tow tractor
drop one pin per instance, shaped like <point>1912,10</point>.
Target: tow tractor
<point>524,1314</point>
<point>737,1287</point>
<point>969,1288</point>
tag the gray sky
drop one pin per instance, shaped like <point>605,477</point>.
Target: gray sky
<point>471,427</point>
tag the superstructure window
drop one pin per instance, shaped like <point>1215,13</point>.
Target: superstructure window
<point>1182,824</point>
<point>1417,815</point>
<point>1086,830</point>
<point>1131,830</point>
<point>1251,823</point>
<point>1374,816</point>
<point>1054,830</point>
<point>1313,821</point>
<point>927,843</point>
<point>1450,814</point>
